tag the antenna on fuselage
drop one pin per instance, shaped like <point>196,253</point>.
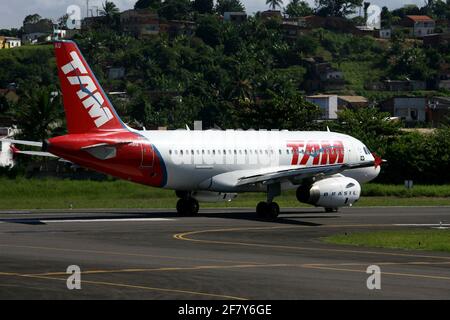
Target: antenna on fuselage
<point>328,129</point>
<point>187,128</point>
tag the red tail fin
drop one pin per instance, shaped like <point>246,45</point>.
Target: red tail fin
<point>86,105</point>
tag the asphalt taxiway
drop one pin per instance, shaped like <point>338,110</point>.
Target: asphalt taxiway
<point>220,254</point>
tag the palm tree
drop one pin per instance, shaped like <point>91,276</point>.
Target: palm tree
<point>110,12</point>
<point>274,3</point>
<point>39,113</point>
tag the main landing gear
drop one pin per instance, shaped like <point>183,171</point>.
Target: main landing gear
<point>187,205</point>
<point>269,210</point>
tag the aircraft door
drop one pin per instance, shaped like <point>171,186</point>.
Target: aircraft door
<point>148,155</point>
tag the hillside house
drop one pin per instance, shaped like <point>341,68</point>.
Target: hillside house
<point>140,23</point>
<point>409,109</point>
<point>235,17</point>
<point>328,104</point>
<point>9,42</point>
<point>418,26</point>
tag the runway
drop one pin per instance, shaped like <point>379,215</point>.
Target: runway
<point>220,254</point>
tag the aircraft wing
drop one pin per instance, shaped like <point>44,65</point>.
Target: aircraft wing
<point>299,173</point>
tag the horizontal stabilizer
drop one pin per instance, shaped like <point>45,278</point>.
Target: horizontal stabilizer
<point>24,142</point>
<point>37,153</point>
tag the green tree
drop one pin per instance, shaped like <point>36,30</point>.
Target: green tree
<point>298,8</point>
<point>39,113</point>
<point>203,6</point>
<point>337,8</point>
<point>223,6</point>
<point>145,4</point>
<point>274,3</point>
<point>111,13</point>
<point>208,30</point>
<point>410,62</point>
<point>368,125</point>
<point>32,18</point>
<point>141,112</point>
<point>175,9</point>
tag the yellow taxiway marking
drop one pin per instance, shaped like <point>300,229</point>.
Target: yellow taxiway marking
<point>186,237</point>
<point>418,263</point>
<point>194,268</point>
<point>130,286</point>
<point>124,254</point>
<point>412,275</point>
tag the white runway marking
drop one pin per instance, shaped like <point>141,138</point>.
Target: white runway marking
<point>422,225</point>
<point>90,220</point>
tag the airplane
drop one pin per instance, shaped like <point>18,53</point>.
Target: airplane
<point>325,168</point>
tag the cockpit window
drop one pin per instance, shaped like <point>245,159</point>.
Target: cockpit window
<point>366,150</point>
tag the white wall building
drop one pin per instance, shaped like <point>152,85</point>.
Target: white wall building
<point>419,26</point>
<point>410,109</point>
<point>34,38</point>
<point>385,33</point>
<point>327,103</point>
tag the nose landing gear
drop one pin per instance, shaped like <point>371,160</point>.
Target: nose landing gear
<point>188,207</point>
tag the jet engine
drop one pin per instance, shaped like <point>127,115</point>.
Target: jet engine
<point>209,196</point>
<point>333,192</point>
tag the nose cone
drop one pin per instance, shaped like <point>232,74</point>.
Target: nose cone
<point>372,173</point>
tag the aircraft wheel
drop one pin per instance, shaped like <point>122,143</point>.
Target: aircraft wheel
<point>330,210</point>
<point>273,210</point>
<point>261,209</point>
<point>188,206</point>
<point>193,206</point>
<point>181,206</point>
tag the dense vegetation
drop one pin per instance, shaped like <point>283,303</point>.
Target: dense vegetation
<point>246,75</point>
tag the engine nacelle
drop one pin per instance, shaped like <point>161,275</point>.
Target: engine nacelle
<point>333,192</point>
<point>209,196</point>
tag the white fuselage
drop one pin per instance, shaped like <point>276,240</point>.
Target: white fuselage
<point>214,159</point>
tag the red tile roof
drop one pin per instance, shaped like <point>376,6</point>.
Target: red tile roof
<point>420,18</point>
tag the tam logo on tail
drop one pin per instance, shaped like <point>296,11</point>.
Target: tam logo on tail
<point>86,104</point>
<point>89,94</point>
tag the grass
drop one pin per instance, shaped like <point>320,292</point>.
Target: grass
<point>24,193</point>
<point>357,73</point>
<point>419,239</point>
<point>389,190</point>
